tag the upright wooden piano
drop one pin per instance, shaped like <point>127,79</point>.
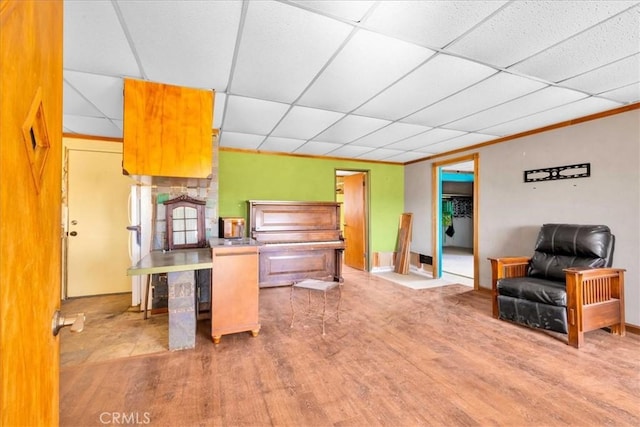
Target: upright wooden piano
<point>300,240</point>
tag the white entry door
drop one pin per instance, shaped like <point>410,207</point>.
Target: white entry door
<point>98,240</point>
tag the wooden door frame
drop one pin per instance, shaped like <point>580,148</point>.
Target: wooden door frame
<point>436,196</point>
<point>367,201</point>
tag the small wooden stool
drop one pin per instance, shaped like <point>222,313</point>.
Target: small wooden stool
<point>319,286</point>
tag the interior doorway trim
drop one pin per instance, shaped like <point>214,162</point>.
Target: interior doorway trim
<point>436,229</point>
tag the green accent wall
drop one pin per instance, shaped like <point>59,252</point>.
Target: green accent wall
<point>246,176</point>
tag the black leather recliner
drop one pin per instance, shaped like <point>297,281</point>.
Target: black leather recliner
<point>567,286</point>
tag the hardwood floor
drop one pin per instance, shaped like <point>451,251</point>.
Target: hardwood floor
<point>399,357</point>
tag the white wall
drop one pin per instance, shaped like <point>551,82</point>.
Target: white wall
<point>511,211</point>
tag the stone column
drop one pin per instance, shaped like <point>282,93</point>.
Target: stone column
<point>182,313</point>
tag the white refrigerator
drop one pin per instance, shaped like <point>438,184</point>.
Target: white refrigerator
<point>140,236</point>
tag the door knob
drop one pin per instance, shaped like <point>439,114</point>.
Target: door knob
<point>73,233</point>
<point>59,321</point>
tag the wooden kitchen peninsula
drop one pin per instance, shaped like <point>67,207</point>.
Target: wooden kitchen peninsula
<point>234,288</point>
<point>180,266</point>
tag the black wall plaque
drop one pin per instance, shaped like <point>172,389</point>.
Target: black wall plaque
<point>581,170</point>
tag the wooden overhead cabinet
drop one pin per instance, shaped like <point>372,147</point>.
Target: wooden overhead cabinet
<point>167,130</point>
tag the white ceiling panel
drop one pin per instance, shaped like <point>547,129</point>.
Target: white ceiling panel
<point>92,126</point>
<point>250,115</point>
<point>441,76</point>
<point>350,151</point>
<point>614,39</point>
<point>218,109</point>
<point>76,104</point>
<point>609,77</point>
<point>458,142</point>
<point>240,140</point>
<point>94,41</point>
<point>494,90</point>
<point>574,110</point>
<point>381,80</point>
<point>508,37</point>
<point>380,154</point>
<point>345,9</point>
<point>184,43</point>
<point>406,156</point>
<point>425,139</point>
<point>387,135</point>
<point>630,93</point>
<point>317,148</point>
<point>430,23</point>
<point>288,45</point>
<point>350,128</point>
<point>104,92</point>
<point>544,99</point>
<point>368,63</point>
<point>281,145</point>
<point>305,123</point>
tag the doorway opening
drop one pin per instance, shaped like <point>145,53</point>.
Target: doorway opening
<point>352,191</point>
<point>455,220</point>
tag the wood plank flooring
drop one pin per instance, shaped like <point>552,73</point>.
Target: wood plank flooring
<point>398,357</point>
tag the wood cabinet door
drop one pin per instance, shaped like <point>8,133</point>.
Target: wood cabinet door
<point>30,197</point>
<point>167,130</point>
<point>234,295</point>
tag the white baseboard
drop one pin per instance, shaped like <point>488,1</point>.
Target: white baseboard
<point>381,269</point>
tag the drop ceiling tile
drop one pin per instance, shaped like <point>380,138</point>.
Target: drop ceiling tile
<point>544,99</point>
<point>497,89</point>
<point>407,156</point>
<point>389,134</point>
<point>317,148</point>
<point>94,41</point>
<point>250,115</point>
<point>626,94</point>
<point>95,126</point>
<point>574,110</point>
<point>281,145</point>
<point>218,109</point>
<point>368,63</point>
<point>524,28</point>
<point>184,43</point>
<point>350,128</point>
<point>609,77</point>
<point>240,140</point>
<point>425,139</point>
<point>288,45</point>
<point>380,154</point>
<point>75,104</point>
<point>441,76</point>
<point>350,10</point>
<point>430,23</point>
<point>612,40</point>
<point>350,151</point>
<point>462,141</point>
<point>305,123</point>
<point>105,92</point>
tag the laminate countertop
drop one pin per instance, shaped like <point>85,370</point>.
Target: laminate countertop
<point>172,261</point>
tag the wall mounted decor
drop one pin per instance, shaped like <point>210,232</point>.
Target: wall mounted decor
<point>581,170</point>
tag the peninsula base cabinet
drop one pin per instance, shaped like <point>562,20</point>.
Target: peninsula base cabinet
<point>234,291</point>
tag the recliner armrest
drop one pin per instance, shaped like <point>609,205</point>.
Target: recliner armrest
<point>502,268</point>
<point>595,299</point>
<point>508,267</point>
